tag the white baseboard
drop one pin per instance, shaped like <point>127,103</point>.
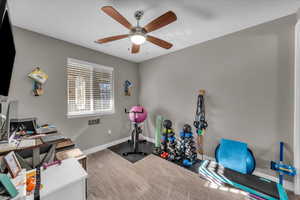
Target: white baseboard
<point>148,139</point>
<point>104,146</point>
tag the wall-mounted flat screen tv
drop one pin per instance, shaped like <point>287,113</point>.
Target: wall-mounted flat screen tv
<point>7,52</point>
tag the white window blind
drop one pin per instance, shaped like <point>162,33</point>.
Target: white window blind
<point>90,89</point>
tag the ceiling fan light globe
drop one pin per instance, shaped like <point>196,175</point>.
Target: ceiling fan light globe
<point>137,39</point>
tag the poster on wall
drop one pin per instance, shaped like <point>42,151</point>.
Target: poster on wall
<point>39,78</point>
<point>128,88</point>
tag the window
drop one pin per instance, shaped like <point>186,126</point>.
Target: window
<point>90,89</point>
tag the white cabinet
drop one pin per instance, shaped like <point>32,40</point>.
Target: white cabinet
<point>63,182</point>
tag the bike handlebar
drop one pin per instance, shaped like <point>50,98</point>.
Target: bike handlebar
<point>126,111</point>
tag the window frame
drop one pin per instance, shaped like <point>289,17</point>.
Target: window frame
<point>91,66</point>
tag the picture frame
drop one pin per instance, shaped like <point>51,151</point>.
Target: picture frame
<point>12,164</point>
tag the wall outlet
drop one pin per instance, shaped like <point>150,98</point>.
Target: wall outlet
<point>94,121</point>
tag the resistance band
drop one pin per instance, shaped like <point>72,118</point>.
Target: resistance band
<point>200,122</point>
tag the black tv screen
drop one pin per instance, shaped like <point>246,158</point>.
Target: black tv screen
<point>2,9</point>
<point>7,54</point>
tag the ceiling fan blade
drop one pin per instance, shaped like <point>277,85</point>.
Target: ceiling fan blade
<point>109,10</point>
<point>161,21</point>
<point>110,39</point>
<point>135,48</point>
<point>159,42</point>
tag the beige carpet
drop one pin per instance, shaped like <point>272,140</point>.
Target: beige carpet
<point>113,178</point>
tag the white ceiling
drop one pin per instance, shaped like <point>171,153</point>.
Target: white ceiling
<point>81,22</point>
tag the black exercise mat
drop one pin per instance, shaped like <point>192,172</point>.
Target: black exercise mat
<point>254,182</point>
<point>119,149</point>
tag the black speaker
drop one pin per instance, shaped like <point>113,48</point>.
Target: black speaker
<point>7,50</point>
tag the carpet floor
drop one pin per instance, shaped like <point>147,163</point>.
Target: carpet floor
<point>112,177</point>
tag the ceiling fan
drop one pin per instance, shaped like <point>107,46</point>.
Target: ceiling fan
<point>137,34</point>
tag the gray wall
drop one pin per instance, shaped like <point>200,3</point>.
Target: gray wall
<point>51,55</point>
<point>248,76</point>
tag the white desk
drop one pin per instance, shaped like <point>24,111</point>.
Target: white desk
<point>65,181</point>
<point>61,182</point>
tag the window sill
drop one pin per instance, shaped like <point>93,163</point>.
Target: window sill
<point>73,116</point>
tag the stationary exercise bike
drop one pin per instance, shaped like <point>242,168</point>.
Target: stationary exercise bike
<point>137,115</point>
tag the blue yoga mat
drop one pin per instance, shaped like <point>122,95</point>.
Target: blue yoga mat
<point>233,155</point>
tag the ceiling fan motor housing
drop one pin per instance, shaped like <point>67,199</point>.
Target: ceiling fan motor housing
<point>138,31</point>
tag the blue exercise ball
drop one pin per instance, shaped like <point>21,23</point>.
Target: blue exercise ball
<point>250,160</point>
